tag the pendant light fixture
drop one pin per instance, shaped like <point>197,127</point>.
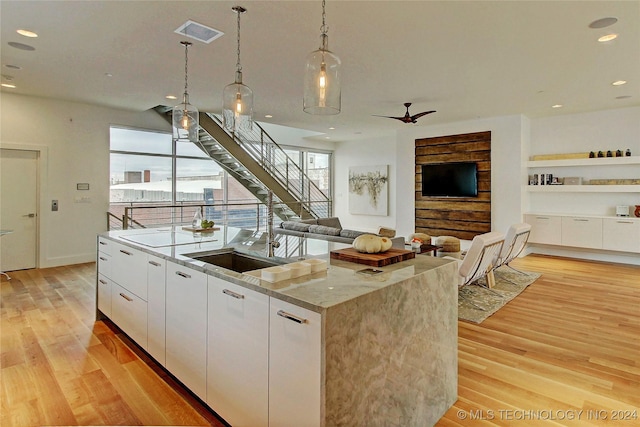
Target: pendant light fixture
<point>185,116</point>
<point>322,77</point>
<point>237,98</point>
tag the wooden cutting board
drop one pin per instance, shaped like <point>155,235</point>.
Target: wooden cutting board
<point>381,259</point>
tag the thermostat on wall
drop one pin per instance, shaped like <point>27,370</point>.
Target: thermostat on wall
<point>622,210</point>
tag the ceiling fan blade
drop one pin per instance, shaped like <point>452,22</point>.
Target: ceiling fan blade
<point>390,117</point>
<point>424,113</point>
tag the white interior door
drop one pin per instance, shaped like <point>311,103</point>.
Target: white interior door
<point>18,209</point>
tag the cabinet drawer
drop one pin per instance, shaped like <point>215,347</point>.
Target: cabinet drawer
<point>294,365</point>
<point>130,269</point>
<point>104,295</point>
<point>545,229</point>
<point>621,235</point>
<point>105,246</point>
<point>582,232</point>
<point>105,263</point>
<point>129,312</point>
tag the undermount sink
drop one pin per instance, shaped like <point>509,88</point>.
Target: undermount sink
<point>235,261</point>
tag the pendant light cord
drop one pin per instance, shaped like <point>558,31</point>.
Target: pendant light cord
<point>238,66</point>
<point>324,27</point>
<point>186,71</point>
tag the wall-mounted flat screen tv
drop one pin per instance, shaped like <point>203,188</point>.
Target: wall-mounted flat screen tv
<point>458,179</point>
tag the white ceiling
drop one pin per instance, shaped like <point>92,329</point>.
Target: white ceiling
<point>465,59</point>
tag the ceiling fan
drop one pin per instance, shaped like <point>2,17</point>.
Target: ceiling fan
<point>407,118</point>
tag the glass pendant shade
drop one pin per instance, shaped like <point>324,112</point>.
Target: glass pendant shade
<point>237,106</point>
<point>185,122</point>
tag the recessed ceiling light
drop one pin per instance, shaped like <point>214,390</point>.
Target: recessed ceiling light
<point>171,97</point>
<point>327,137</point>
<point>603,22</point>
<point>619,82</point>
<point>27,33</point>
<point>21,46</point>
<point>13,67</point>
<point>556,106</point>
<point>608,38</point>
<point>108,75</point>
<point>268,116</point>
<point>10,86</point>
<point>331,128</point>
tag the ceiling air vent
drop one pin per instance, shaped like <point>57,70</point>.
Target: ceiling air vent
<point>199,32</point>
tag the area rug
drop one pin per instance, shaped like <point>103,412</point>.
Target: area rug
<point>508,285</point>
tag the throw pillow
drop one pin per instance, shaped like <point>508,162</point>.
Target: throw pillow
<point>323,229</point>
<point>296,226</point>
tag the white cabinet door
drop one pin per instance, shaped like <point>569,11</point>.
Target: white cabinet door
<point>582,232</point>
<point>238,356</point>
<point>545,229</point>
<point>294,365</point>
<point>156,308</point>
<point>104,295</point>
<point>619,234</point>
<point>186,333</point>
<point>129,312</point>
<point>130,269</point>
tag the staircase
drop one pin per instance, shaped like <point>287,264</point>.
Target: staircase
<point>256,161</point>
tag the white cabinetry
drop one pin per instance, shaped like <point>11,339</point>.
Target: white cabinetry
<point>294,365</point>
<point>156,308</point>
<point>621,234</point>
<point>129,312</point>
<point>186,330</point>
<point>582,232</point>
<point>545,229</point>
<point>104,276</point>
<point>238,354</point>
<point>131,269</point>
<point>592,232</point>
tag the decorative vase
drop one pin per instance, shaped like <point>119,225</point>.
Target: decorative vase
<point>637,211</point>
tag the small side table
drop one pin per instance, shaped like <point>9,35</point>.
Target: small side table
<point>424,249</point>
<point>2,233</point>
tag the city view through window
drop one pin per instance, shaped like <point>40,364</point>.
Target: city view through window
<point>142,173</point>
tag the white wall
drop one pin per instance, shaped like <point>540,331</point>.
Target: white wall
<point>73,140</point>
<point>380,151</point>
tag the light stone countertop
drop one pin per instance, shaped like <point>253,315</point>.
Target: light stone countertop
<point>341,282</point>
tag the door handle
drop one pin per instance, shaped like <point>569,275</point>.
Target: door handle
<point>31,215</point>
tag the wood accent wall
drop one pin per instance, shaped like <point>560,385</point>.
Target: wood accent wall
<point>463,217</point>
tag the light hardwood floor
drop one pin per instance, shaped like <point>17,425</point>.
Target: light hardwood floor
<point>569,343</point>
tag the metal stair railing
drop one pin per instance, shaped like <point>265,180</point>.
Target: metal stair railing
<point>273,159</point>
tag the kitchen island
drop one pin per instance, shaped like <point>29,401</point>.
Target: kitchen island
<point>336,347</point>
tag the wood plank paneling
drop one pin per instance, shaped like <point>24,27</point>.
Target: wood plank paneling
<point>462,217</point>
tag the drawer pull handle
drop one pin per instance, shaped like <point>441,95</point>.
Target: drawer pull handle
<point>125,297</point>
<point>542,217</point>
<point>624,222</point>
<point>290,316</point>
<point>185,275</point>
<point>581,220</point>
<point>125,252</point>
<point>102,243</point>
<point>155,264</point>
<point>232,294</point>
<point>102,281</point>
<point>103,258</point>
